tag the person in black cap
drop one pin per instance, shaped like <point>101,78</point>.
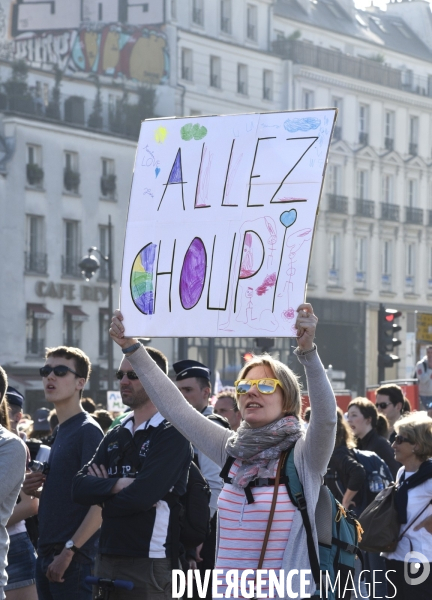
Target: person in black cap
<point>15,402</point>
<point>193,380</point>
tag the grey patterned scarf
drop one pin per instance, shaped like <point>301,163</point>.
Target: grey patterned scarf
<point>259,449</point>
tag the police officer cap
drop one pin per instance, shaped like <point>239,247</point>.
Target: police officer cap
<point>190,368</point>
<point>14,397</point>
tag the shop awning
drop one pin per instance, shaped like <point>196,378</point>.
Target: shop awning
<point>76,313</point>
<point>39,311</point>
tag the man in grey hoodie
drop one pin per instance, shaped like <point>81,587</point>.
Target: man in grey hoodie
<point>13,457</point>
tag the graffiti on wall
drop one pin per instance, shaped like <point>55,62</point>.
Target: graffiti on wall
<point>117,50</point>
<point>138,52</point>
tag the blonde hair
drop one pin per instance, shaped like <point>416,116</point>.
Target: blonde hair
<point>290,385</point>
<point>417,428</point>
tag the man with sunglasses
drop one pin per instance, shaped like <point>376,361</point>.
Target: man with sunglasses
<point>389,400</point>
<point>137,474</point>
<point>68,532</point>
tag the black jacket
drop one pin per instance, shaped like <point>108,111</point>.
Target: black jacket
<point>158,459</point>
<point>345,467</point>
<point>374,442</point>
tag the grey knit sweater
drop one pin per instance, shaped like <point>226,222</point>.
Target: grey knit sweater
<point>13,458</point>
<point>311,454</point>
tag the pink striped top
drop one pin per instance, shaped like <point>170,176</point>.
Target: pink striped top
<point>243,527</point>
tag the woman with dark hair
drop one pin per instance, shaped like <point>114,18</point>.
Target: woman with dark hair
<point>371,429</point>
<point>343,466</point>
<point>413,449</point>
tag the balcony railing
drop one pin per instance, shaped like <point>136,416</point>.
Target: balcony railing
<point>35,262</point>
<point>333,276</point>
<point>389,144</point>
<point>71,180</point>
<point>414,215</point>
<point>70,266</point>
<point>413,149</point>
<point>338,204</point>
<point>122,117</point>
<point>108,185</point>
<point>389,212</point>
<point>36,346</point>
<point>409,282</point>
<point>430,218</point>
<point>363,69</point>
<point>365,208</point>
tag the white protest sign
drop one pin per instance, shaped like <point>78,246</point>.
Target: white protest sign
<point>220,225</point>
<point>114,402</point>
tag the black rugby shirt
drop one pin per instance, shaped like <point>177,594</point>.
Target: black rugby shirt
<point>137,520</point>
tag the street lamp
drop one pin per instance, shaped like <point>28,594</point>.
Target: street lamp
<point>89,265</point>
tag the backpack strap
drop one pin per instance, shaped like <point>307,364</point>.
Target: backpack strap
<point>296,494</point>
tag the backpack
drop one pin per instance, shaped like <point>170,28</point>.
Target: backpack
<point>337,530</point>
<point>195,513</point>
<point>378,477</point>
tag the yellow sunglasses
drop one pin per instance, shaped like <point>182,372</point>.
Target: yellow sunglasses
<point>265,386</point>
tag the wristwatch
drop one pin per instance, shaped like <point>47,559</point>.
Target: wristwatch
<point>70,545</point>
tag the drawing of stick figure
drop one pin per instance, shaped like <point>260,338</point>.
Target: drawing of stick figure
<point>270,224</point>
<point>249,307</point>
<point>293,243</point>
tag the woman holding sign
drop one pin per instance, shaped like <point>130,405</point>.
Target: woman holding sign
<point>269,399</point>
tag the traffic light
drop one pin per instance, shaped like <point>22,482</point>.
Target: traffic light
<point>387,328</point>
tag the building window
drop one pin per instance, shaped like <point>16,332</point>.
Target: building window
<point>242,79</point>
<point>362,184</point>
<point>413,136</point>
<point>37,316</point>
<point>197,12</point>
<point>334,267</point>
<point>386,264</point>
<point>410,266</point>
<point>307,99</point>
<point>267,84</point>
<point>71,176</point>
<point>72,255</point>
<point>73,318</point>
<point>363,124</point>
<point>251,22</point>
<point>186,64</point>
<point>412,192</point>
<point>225,8</point>
<point>104,319</point>
<point>337,133</point>
<point>35,254</point>
<point>389,130</point>
<point>34,169</point>
<point>361,261</point>
<point>387,188</point>
<point>215,72</point>
<point>108,178</point>
<point>334,179</point>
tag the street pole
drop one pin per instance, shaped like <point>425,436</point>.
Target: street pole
<point>110,306</point>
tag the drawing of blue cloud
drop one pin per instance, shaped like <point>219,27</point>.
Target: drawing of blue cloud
<point>306,124</point>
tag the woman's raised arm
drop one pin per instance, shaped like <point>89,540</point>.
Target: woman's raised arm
<point>209,437</point>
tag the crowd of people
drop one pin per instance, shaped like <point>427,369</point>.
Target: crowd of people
<point>181,482</point>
